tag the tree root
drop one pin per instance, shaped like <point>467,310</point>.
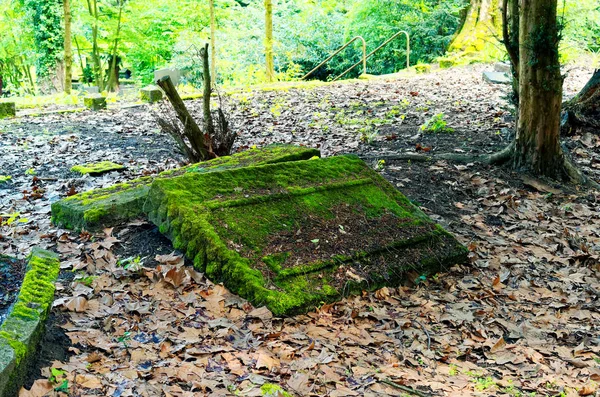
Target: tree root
<point>572,173</point>
<point>405,389</point>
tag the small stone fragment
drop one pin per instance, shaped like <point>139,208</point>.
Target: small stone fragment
<point>97,168</point>
<point>7,109</point>
<point>95,102</point>
<point>151,94</point>
<point>497,78</point>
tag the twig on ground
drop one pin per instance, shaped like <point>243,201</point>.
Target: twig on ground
<point>426,333</point>
<point>406,389</point>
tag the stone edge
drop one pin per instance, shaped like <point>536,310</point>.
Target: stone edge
<point>21,331</point>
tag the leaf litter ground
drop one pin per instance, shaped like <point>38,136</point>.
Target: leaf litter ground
<point>132,319</point>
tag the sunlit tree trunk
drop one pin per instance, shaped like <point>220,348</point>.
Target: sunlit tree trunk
<point>68,47</point>
<point>269,40</point>
<point>113,72</point>
<point>98,75</point>
<point>537,148</point>
<point>482,24</point>
<point>213,30</point>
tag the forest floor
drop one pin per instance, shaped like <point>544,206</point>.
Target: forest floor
<point>132,319</point>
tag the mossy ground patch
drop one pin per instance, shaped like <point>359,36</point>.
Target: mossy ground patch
<point>119,203</point>
<point>294,235</point>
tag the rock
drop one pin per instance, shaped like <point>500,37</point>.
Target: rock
<point>497,78</point>
<point>92,90</point>
<point>95,102</point>
<point>151,94</point>
<point>502,67</point>
<point>120,203</point>
<point>294,235</point>
<point>97,168</point>
<point>7,109</point>
<point>174,74</point>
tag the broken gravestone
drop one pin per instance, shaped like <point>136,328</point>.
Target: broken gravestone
<point>122,202</point>
<point>95,102</point>
<point>497,77</point>
<point>151,94</point>
<point>95,169</point>
<point>293,235</point>
<point>502,67</point>
<point>174,74</point>
<point>7,109</point>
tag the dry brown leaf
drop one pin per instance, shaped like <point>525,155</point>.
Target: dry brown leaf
<point>40,388</point>
<point>77,304</point>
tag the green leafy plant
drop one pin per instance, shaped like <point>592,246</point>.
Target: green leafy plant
<point>437,125</point>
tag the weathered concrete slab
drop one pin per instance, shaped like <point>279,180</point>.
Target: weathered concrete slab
<point>21,332</point>
<point>7,109</point>
<point>120,203</point>
<point>294,235</point>
<point>95,102</point>
<point>497,78</point>
<point>97,168</point>
<point>151,94</point>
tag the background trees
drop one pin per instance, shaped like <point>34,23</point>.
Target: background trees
<point>142,36</point>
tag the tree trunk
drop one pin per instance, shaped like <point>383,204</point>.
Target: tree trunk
<point>209,127</point>
<point>482,24</point>
<point>93,10</point>
<point>269,40</point>
<point>213,29</point>
<point>113,71</point>
<point>68,48</point>
<point>584,109</point>
<point>537,148</point>
<point>510,38</point>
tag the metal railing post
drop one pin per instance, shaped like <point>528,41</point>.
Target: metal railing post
<point>363,61</point>
<point>380,47</point>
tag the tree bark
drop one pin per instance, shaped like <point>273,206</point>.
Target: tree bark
<point>269,41</point>
<point>209,127</point>
<point>482,24</point>
<point>510,38</point>
<point>537,148</point>
<point>113,72</point>
<point>191,130</point>
<point>68,48</point>
<point>213,30</point>
<point>93,10</point>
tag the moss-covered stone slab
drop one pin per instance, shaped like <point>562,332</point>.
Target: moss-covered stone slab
<point>120,203</point>
<point>151,94</point>
<point>97,168</point>
<point>95,102</point>
<point>294,235</point>
<point>21,332</point>
<point>7,109</point>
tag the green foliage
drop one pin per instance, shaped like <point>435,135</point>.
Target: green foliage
<point>437,125</point>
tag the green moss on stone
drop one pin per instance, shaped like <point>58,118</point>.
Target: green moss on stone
<point>233,225</point>
<point>272,390</point>
<point>123,202</point>
<point>7,109</point>
<point>23,327</point>
<point>97,168</point>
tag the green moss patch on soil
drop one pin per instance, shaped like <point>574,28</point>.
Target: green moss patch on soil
<point>22,329</point>
<point>122,202</point>
<point>295,235</point>
<point>97,168</point>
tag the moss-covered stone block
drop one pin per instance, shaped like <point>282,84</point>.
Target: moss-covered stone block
<point>7,109</point>
<point>151,94</point>
<point>294,235</point>
<point>21,332</point>
<point>120,203</point>
<point>97,168</point>
<point>95,102</point>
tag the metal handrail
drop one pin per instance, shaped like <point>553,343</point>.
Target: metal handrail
<point>380,47</point>
<point>364,58</point>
